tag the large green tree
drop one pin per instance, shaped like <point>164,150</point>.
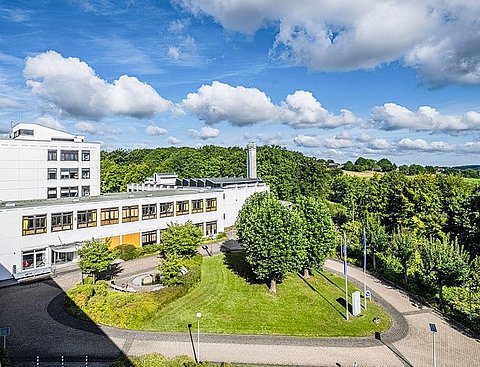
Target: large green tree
<point>181,239</point>
<point>95,257</point>
<point>377,238</point>
<point>403,247</point>
<point>272,236</point>
<point>319,232</point>
<point>444,262</point>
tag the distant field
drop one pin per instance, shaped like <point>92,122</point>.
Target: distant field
<point>362,174</point>
<point>475,181</point>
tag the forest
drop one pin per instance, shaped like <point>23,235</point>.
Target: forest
<point>422,227</point>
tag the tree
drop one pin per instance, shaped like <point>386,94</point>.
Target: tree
<point>272,236</point>
<point>182,239</point>
<point>95,257</point>
<point>376,236</point>
<point>403,246</point>
<point>319,232</point>
<point>444,263</point>
<point>386,165</point>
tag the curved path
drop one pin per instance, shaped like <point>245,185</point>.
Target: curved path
<point>40,327</point>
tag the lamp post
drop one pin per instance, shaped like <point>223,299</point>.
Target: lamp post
<point>433,329</point>
<point>199,314</point>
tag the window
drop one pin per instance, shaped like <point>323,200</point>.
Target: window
<point>166,210</point>
<point>197,206</point>
<point>87,218</point>
<point>51,174</point>
<point>199,225</point>
<point>52,193</point>
<point>34,224</point>
<point>211,205</point>
<point>109,216</point>
<point>52,155</point>
<point>129,214</point>
<point>69,192</point>
<point>22,132</point>
<point>85,190</point>
<point>69,155</point>
<point>33,259</point>
<point>85,173</point>
<point>182,207</point>
<point>68,173</point>
<point>149,238</point>
<point>149,211</point>
<point>62,221</point>
<point>85,155</point>
<point>211,228</point>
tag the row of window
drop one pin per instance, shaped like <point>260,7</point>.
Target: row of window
<point>67,192</point>
<point>68,155</point>
<point>35,224</point>
<point>67,173</point>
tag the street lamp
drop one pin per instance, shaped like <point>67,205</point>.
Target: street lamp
<point>433,329</point>
<point>199,314</point>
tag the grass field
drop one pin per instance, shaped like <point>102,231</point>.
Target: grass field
<point>367,174</point>
<point>231,304</point>
<point>475,181</point>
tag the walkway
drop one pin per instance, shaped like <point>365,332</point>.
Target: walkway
<point>41,327</point>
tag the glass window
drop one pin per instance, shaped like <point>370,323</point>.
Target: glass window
<point>68,173</point>
<point>34,224</point>
<point>149,211</point>
<point>69,192</point>
<point>211,228</point>
<point>109,216</point>
<point>85,190</point>
<point>197,206</point>
<point>87,218</point>
<point>85,155</point>
<point>69,155</point>
<point>211,205</point>
<point>51,174</point>
<point>149,238</point>
<point>129,213</point>
<point>62,221</point>
<point>85,173</point>
<point>166,209</point>
<point>52,155</point>
<point>52,193</point>
<point>182,207</point>
<point>33,259</point>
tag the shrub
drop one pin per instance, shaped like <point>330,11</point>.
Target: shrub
<point>158,360</point>
<point>172,265</point>
<point>126,252</point>
<point>150,249</point>
<point>5,360</point>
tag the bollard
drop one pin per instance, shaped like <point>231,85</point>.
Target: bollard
<point>86,361</point>
<point>63,365</point>
<point>38,361</point>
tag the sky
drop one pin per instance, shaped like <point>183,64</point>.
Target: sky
<point>333,79</point>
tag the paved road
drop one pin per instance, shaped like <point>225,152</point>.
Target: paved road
<point>41,327</point>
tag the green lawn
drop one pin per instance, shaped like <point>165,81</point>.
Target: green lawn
<point>230,304</point>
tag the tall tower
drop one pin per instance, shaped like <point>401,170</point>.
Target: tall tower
<point>251,160</point>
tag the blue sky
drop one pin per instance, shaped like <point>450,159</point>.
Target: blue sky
<point>336,80</point>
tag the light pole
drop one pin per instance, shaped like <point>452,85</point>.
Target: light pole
<point>433,329</point>
<point>199,314</point>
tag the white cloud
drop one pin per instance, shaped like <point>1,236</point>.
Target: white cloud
<point>173,53</point>
<point>74,88</point>
<point>307,141</point>
<point>96,129</point>
<point>336,142</point>
<point>49,121</point>
<point>422,145</point>
<point>243,106</point>
<point>6,102</point>
<point>179,25</point>
<point>392,116</point>
<point>185,51</point>
<point>155,130</point>
<point>439,38</point>
<point>470,147</point>
<point>205,133</point>
<point>173,140</point>
<point>378,144</point>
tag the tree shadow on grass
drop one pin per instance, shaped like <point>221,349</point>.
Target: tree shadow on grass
<point>321,295</point>
<point>328,279</point>
<point>236,262</point>
<point>342,301</point>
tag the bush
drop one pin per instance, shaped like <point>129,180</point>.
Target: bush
<point>126,252</point>
<point>158,360</point>
<point>150,249</point>
<point>5,360</point>
<point>172,265</point>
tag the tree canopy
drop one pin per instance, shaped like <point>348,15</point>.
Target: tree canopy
<point>95,257</point>
<point>181,239</point>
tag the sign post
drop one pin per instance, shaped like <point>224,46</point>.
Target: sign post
<point>4,331</point>
<point>356,303</point>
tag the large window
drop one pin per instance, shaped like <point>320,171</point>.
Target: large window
<point>182,207</point>
<point>52,155</point>
<point>85,173</point>
<point>52,193</point>
<point>62,221</point>
<point>211,205</point>
<point>85,155</point>
<point>33,259</point>
<point>34,224</point>
<point>149,211</point>
<point>166,210</point>
<point>129,214</point>
<point>87,218</point>
<point>51,174</point>
<point>22,132</point>
<point>68,173</point>
<point>69,155</point>
<point>109,216</point>
<point>69,191</point>
<point>197,206</point>
<point>149,238</point>
<point>211,228</point>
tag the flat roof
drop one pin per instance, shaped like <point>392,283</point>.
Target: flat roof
<point>104,197</point>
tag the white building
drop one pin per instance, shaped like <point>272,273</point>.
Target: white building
<point>39,232</point>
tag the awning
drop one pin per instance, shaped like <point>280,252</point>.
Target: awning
<point>67,247</point>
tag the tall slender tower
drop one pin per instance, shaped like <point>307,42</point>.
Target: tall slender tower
<point>251,160</point>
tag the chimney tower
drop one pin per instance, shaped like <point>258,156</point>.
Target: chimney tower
<point>251,160</point>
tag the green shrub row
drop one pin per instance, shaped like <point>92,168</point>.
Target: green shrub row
<point>158,360</point>
<point>129,252</point>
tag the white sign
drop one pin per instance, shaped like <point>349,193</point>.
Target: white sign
<point>356,307</point>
